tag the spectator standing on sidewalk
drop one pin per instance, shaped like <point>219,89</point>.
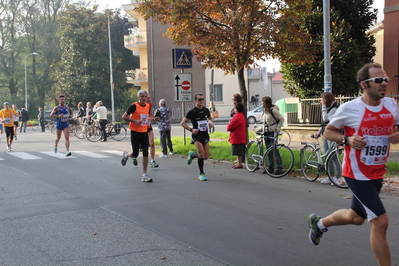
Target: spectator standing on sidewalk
<point>238,131</point>
<point>101,111</point>
<point>328,108</point>
<point>81,112</point>
<point>164,113</point>
<point>138,114</point>
<point>201,120</point>
<point>41,119</point>
<point>24,119</point>
<point>369,124</point>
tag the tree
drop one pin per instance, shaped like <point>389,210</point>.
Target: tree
<point>225,34</point>
<point>351,48</point>
<point>83,71</point>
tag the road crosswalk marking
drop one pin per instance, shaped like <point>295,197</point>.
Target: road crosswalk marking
<point>59,155</point>
<point>92,154</point>
<point>25,156</point>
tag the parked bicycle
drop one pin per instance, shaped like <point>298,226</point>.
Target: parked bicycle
<point>314,163</point>
<point>277,156</point>
<point>283,138</point>
<point>115,131</point>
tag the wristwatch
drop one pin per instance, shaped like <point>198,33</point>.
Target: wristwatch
<point>344,140</point>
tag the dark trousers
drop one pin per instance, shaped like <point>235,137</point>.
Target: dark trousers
<point>166,141</point>
<point>103,123</point>
<point>42,124</point>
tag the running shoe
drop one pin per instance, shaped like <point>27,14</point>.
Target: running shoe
<point>124,158</point>
<point>154,164</point>
<point>146,178</point>
<point>134,161</point>
<point>171,153</point>
<point>15,137</point>
<point>163,156</point>
<point>202,177</point>
<point>55,149</point>
<point>315,233</point>
<point>9,148</point>
<point>325,181</point>
<point>190,157</point>
<point>68,153</point>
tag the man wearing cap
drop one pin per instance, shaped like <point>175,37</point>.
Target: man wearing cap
<point>62,112</point>
<point>7,115</point>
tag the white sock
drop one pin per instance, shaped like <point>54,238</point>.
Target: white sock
<point>320,224</point>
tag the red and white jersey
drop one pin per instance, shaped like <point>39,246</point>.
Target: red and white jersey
<point>375,124</point>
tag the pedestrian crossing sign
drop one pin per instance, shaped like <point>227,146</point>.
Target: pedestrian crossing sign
<point>182,58</point>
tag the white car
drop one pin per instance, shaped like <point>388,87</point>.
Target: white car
<point>255,115</point>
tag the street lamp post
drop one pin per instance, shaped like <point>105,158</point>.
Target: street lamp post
<point>26,82</point>
<point>111,78</point>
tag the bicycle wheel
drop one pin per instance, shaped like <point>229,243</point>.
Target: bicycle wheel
<point>52,128</point>
<point>94,134</point>
<point>118,132</point>
<point>284,138</point>
<point>334,168</point>
<point>309,163</point>
<point>79,132</point>
<point>36,127</point>
<point>278,157</point>
<point>252,156</point>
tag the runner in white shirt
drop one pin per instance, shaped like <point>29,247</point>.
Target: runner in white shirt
<point>370,125</point>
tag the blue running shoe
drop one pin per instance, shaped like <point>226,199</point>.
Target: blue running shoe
<point>55,149</point>
<point>315,233</point>
<point>202,177</point>
<point>190,157</point>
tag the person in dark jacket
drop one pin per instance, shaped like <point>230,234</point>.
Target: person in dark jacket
<point>24,119</point>
<point>41,119</point>
<point>237,128</point>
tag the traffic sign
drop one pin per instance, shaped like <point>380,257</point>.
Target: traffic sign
<point>182,58</point>
<point>182,87</point>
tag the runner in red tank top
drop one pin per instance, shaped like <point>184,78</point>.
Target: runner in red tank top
<point>370,125</point>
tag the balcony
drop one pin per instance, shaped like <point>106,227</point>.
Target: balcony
<point>136,40</point>
<point>137,76</point>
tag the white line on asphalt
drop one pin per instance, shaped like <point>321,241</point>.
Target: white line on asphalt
<point>24,155</point>
<point>59,155</point>
<point>91,154</point>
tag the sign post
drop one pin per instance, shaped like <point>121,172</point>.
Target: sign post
<point>182,85</point>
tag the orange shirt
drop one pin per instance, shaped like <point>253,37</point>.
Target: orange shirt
<point>7,116</point>
<point>141,113</point>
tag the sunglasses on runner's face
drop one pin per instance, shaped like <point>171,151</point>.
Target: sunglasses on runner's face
<point>200,99</point>
<point>378,80</point>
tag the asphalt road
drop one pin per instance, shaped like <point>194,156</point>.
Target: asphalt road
<point>90,210</point>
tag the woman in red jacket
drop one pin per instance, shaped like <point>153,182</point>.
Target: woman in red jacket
<point>238,134</point>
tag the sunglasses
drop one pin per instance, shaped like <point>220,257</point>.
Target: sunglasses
<point>378,80</point>
<point>200,99</point>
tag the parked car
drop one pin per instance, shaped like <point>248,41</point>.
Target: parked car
<point>255,115</point>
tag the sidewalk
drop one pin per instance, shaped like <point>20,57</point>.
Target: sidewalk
<point>43,225</point>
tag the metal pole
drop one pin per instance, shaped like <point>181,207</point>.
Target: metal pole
<point>108,11</point>
<point>327,53</point>
<point>26,82</point>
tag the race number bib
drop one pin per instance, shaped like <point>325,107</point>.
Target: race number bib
<point>144,120</point>
<point>202,125</point>
<point>376,151</point>
<point>64,118</point>
<point>7,120</point>
<point>16,118</point>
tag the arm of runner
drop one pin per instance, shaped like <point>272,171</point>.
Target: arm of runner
<point>394,138</point>
<point>332,133</point>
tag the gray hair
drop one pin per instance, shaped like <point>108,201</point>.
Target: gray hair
<point>162,102</point>
<point>142,92</point>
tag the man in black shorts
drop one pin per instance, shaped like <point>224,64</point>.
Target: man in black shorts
<point>369,128</point>
<point>200,118</point>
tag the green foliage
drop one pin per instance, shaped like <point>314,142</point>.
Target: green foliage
<point>224,34</point>
<point>351,48</point>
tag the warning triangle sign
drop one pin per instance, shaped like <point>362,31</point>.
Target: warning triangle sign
<point>183,60</point>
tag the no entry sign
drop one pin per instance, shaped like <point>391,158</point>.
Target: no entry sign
<point>182,87</point>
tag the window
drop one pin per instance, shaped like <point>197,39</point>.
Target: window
<point>218,94</point>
